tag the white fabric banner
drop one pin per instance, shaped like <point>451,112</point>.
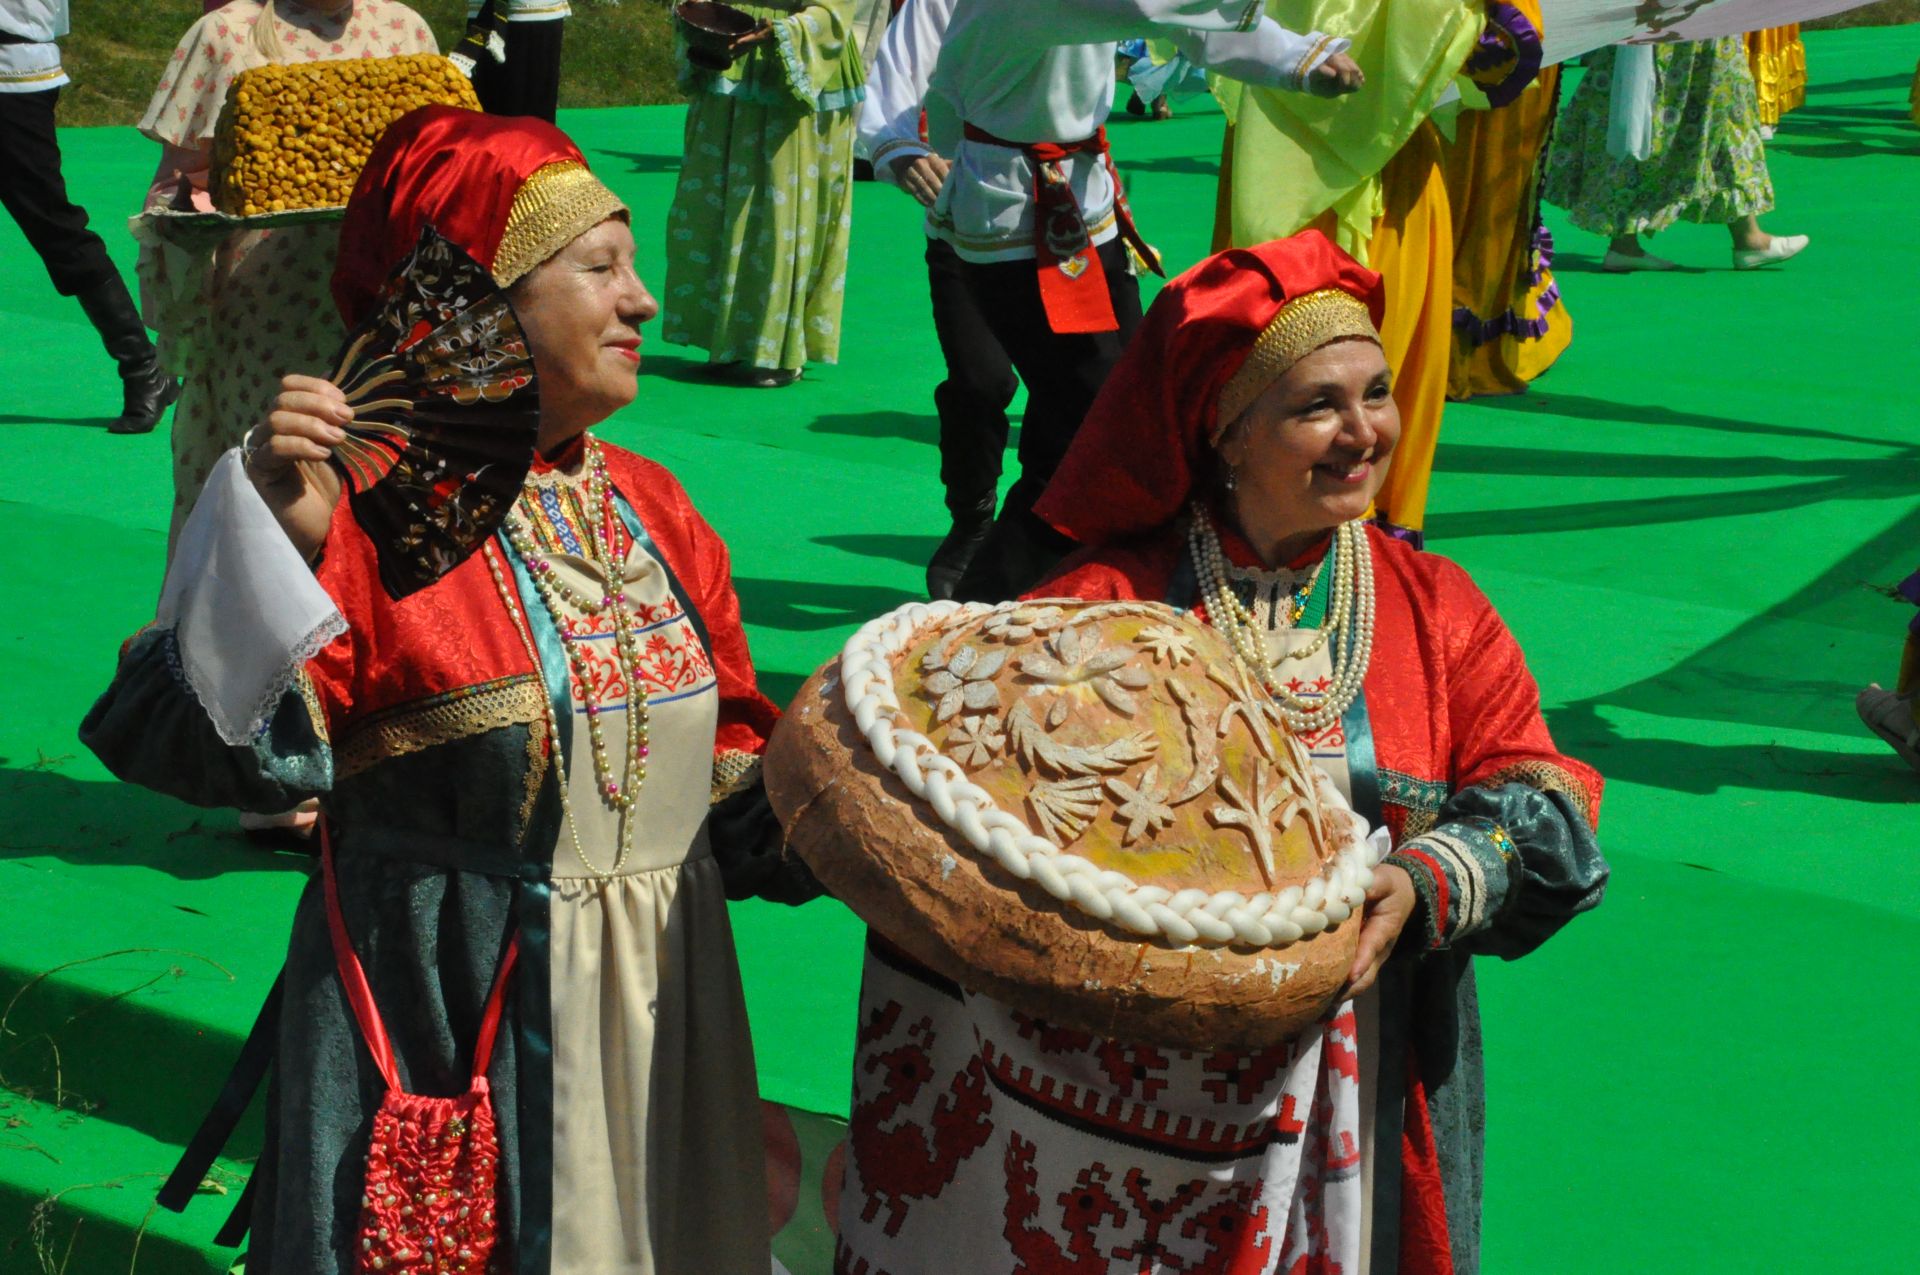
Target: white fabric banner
<point>1580,26</point>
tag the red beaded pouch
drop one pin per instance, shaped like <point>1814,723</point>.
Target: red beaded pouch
<point>429,1202</point>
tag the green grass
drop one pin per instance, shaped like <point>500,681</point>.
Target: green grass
<point>617,53</point>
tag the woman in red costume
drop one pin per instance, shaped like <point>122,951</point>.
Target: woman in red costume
<point>524,750</point>
<point>1228,467</point>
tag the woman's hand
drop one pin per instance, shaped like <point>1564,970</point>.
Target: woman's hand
<point>1336,77</point>
<point>287,455</point>
<point>921,176</point>
<point>759,35</point>
<point>1390,901</point>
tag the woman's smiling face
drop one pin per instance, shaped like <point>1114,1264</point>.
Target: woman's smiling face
<point>1311,452</point>
<point>582,309</point>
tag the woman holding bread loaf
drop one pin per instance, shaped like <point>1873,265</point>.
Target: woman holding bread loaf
<point>236,317</point>
<point>1227,468</point>
<point>539,774</point>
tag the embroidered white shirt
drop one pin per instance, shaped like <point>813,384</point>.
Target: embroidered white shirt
<point>1008,68</point>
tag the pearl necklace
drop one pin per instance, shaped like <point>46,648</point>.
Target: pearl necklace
<point>1349,622</point>
<point>621,796</point>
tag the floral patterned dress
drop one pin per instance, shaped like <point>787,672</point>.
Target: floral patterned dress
<point>757,236</point>
<point>234,319</point>
<point>1707,162</point>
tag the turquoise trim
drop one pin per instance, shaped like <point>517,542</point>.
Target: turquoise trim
<point>1363,770</point>
<point>553,656</point>
<point>1427,795</point>
<point>533,987</point>
<point>533,1063</point>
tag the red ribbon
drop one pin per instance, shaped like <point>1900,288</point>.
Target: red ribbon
<point>1073,283</point>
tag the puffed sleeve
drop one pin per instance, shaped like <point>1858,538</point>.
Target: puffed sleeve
<point>1515,854</point>
<point>148,728</point>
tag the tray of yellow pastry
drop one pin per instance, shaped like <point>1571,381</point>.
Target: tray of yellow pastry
<point>291,141</point>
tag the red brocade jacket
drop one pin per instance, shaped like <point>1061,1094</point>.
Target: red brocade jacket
<point>1494,825</point>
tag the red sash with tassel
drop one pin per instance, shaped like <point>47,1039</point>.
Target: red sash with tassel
<point>1073,283</point>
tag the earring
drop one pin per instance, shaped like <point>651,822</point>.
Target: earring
<point>1233,477</point>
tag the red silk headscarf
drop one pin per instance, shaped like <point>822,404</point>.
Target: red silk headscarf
<point>455,168</point>
<point>1133,464</point>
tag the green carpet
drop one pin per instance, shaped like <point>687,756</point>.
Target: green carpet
<point>1688,524</point>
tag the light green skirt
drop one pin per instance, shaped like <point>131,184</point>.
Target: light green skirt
<point>757,236</point>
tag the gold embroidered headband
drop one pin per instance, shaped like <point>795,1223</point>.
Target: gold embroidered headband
<point>556,205</point>
<point>1303,325</point>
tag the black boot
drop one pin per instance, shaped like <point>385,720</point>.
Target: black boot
<point>971,523</point>
<point>145,388</point>
<point>1015,554</point>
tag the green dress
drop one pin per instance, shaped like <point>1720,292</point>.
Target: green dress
<point>1707,162</point>
<point>757,237</point>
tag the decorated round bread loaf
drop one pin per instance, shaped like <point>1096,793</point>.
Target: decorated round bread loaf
<point>1086,810</point>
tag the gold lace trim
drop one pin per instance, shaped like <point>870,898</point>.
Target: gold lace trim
<point>1547,777</point>
<point>733,770</point>
<point>316,711</point>
<point>556,205</point>
<point>1418,824</point>
<point>440,719</point>
<point>1303,325</point>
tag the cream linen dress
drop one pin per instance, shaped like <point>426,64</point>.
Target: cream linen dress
<point>658,1155</point>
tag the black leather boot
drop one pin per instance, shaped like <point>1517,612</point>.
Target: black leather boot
<point>146,390</point>
<point>1015,554</point>
<point>971,523</point>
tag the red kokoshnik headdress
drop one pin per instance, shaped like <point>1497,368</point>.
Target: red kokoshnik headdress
<point>510,191</point>
<point>1216,337</point>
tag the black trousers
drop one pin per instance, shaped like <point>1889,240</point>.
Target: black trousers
<point>35,195</point>
<point>1063,374</point>
<point>528,82</point>
<point>972,401</point>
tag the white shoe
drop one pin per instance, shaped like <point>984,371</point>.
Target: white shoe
<point>1779,248</point>
<point>1890,716</point>
<point>1622,263</point>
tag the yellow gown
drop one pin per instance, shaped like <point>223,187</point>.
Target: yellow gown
<point>1778,58</point>
<point>1509,320</point>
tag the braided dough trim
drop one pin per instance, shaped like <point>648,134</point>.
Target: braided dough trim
<point>1189,917</point>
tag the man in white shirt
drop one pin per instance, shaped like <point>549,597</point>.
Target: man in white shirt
<point>35,193</point>
<point>1030,221</point>
<point>972,402</point>
<point>514,46</point>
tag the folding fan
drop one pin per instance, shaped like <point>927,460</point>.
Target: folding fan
<point>446,409</point>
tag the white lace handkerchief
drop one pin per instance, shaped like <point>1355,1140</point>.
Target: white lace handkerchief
<point>245,609</point>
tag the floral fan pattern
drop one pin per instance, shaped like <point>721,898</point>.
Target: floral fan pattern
<point>446,410</point>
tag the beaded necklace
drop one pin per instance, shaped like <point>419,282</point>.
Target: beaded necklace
<point>619,796</point>
<point>1348,625</point>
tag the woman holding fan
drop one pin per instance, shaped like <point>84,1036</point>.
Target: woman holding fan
<point>535,682</point>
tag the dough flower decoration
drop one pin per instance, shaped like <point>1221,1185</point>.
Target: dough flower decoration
<point>976,741</point>
<point>1074,657</point>
<point>1023,622</point>
<point>962,678</point>
<point>1144,806</point>
<point>1166,645</point>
